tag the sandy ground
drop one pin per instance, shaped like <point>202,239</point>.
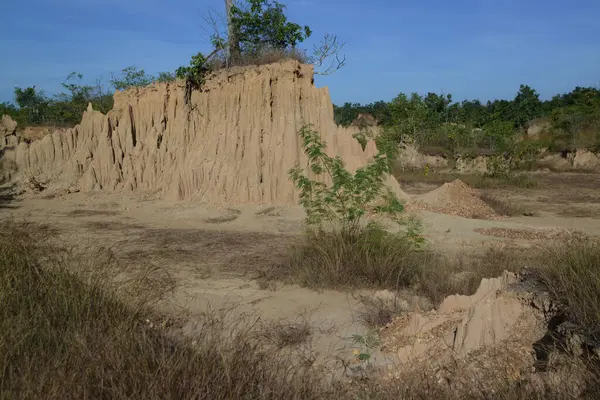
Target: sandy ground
<point>215,254</point>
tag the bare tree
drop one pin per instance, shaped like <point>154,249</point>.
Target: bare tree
<point>330,47</point>
<point>215,28</point>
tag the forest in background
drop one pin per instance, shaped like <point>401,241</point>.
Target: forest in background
<point>435,121</point>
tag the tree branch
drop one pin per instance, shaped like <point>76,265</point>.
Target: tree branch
<point>330,46</point>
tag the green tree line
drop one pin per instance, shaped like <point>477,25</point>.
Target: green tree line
<point>435,120</point>
<point>34,107</point>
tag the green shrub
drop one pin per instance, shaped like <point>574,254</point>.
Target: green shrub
<point>131,77</point>
<point>350,196</point>
<point>339,250</point>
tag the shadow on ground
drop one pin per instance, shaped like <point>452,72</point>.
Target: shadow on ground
<point>7,197</point>
<point>225,254</point>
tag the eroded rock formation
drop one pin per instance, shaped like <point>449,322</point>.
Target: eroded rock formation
<point>233,143</point>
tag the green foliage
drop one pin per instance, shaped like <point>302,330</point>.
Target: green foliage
<point>409,116</point>
<point>498,166</point>
<point>9,109</point>
<point>350,196</point>
<point>63,109</point>
<point>363,136</point>
<point>195,72</point>
<point>131,77</point>
<point>497,135</point>
<point>576,120</point>
<point>350,254</point>
<point>527,105</point>
<point>435,122</point>
<point>32,104</point>
<point>525,153</point>
<point>263,25</point>
<point>68,107</point>
<point>370,341</point>
<point>165,77</point>
<point>345,114</point>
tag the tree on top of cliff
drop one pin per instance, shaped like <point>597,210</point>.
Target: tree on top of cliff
<point>262,25</point>
<point>258,32</point>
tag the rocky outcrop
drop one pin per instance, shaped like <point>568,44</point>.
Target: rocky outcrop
<point>410,159</point>
<point>577,160</point>
<point>8,143</point>
<point>364,120</point>
<point>233,143</point>
<point>537,127</point>
<point>8,127</point>
<point>580,159</point>
<point>465,324</point>
<point>586,160</point>
<point>477,165</point>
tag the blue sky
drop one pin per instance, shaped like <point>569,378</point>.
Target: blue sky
<point>470,48</point>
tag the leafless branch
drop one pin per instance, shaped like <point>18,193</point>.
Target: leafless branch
<point>330,47</point>
<point>214,23</point>
<point>215,27</point>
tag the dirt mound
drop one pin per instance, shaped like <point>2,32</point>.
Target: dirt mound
<point>233,143</point>
<point>466,327</point>
<point>478,344</point>
<point>454,198</point>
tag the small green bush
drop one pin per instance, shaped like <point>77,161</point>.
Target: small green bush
<point>339,250</point>
<point>350,196</point>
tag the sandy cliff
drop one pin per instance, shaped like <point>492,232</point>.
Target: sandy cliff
<point>234,142</point>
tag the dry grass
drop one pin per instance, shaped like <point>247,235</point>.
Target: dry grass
<point>221,219</point>
<point>570,271</point>
<point>61,338</point>
<point>441,276</point>
<point>112,226</point>
<point>90,213</point>
<point>361,258</point>
<point>372,258</point>
<point>287,334</point>
<point>378,312</point>
<point>227,253</point>
<point>65,338</point>
<point>262,57</point>
<point>579,212</point>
